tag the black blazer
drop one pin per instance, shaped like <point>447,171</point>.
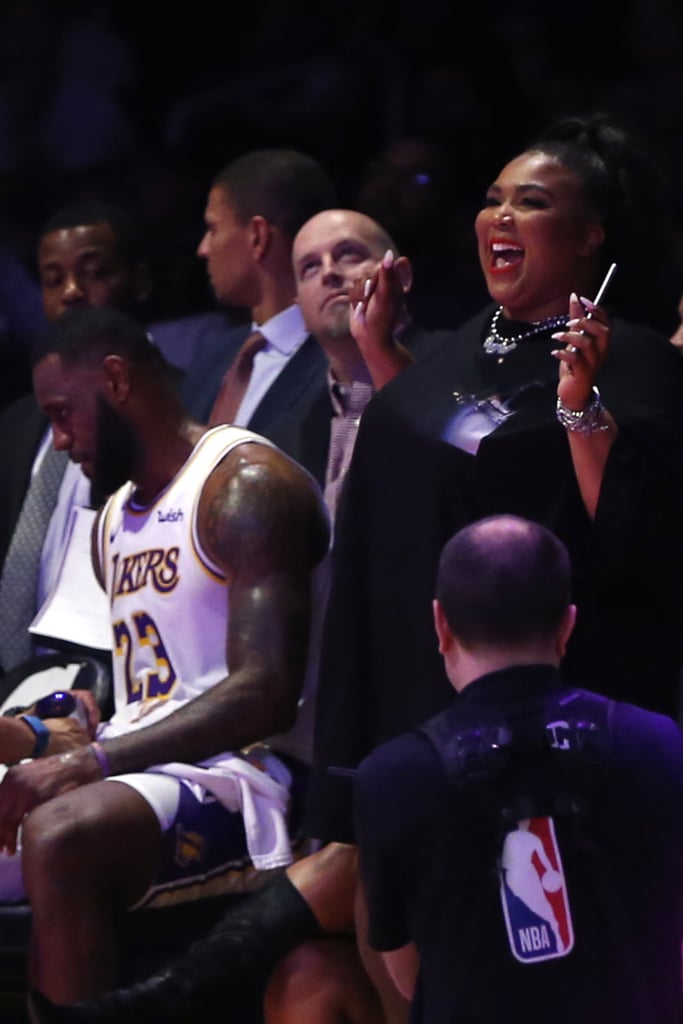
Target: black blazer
<point>305,369</point>
<point>304,432</point>
<point>22,427</point>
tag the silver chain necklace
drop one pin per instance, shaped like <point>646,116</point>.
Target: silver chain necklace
<point>497,344</point>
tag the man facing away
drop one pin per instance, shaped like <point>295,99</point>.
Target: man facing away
<point>256,205</point>
<point>511,849</point>
<point>209,522</point>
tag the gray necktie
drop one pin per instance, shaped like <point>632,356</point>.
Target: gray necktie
<point>19,580</point>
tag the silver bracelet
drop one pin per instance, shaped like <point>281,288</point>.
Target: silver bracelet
<point>583,421</point>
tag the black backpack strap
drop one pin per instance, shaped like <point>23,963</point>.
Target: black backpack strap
<point>542,759</point>
<point>473,744</point>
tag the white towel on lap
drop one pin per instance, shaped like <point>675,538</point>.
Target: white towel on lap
<point>260,794</point>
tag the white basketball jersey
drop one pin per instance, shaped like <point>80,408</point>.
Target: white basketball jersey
<point>169,602</point>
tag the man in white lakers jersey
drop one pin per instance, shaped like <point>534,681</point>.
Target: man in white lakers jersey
<point>206,550</point>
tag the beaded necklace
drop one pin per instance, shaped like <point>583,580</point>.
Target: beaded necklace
<point>497,344</point>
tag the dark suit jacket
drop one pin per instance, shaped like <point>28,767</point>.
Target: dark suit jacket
<point>183,338</point>
<point>204,374</point>
<point>289,398</point>
<point>304,432</point>
<point>22,427</point>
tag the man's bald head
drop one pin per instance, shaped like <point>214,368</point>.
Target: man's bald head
<point>503,582</point>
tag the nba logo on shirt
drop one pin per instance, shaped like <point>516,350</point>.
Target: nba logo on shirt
<point>533,893</point>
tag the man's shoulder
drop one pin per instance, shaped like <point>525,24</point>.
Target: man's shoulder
<point>408,753</point>
<point>22,429</point>
<point>257,499</point>
<point>401,781</point>
<point>638,724</point>
<point>242,454</point>
<point>217,351</point>
<point>183,339</point>
<point>214,444</point>
<point>21,410</point>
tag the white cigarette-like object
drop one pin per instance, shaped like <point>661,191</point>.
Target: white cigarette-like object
<point>603,287</point>
<point>601,291</point>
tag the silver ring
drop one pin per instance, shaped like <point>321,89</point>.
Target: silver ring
<point>571,348</point>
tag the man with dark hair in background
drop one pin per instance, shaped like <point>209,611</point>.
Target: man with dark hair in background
<point>256,205</point>
<point>89,254</point>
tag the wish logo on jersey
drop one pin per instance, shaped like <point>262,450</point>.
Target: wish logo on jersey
<point>534,894</point>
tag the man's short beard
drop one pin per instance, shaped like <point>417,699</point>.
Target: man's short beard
<point>340,325</point>
<point>116,448</point>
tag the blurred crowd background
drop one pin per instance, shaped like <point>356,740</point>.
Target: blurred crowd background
<point>411,106</point>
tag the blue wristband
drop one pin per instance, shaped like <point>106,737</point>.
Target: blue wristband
<point>42,734</point>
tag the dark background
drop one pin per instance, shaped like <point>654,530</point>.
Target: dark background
<point>142,104</point>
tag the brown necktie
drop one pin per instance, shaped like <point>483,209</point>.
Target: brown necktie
<point>236,381</point>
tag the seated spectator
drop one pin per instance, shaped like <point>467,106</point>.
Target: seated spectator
<point>353,289</point>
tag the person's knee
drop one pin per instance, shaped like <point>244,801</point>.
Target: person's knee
<point>97,834</point>
<point>54,833</point>
<point>327,879</point>
<point>302,987</point>
<point>322,980</point>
